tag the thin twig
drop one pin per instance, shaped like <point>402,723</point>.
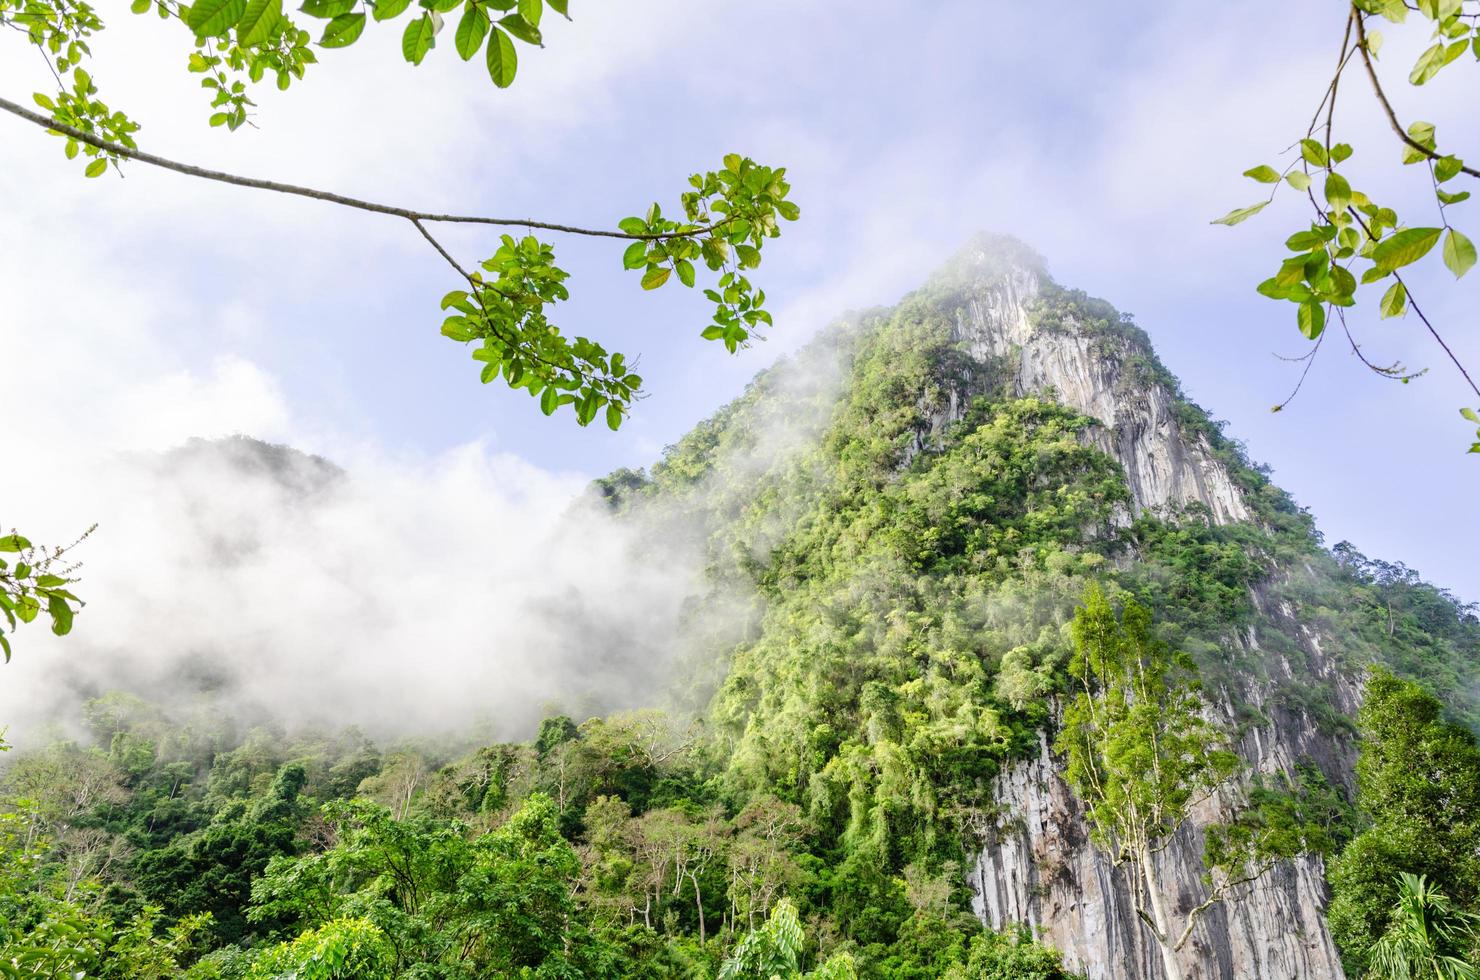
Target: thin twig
<point>1395,371</point>
<point>191,170</point>
<point>1414,306</point>
<point>440,250</point>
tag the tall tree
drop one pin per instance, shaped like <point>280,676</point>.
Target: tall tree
<point>1418,781</point>
<point>1142,756</point>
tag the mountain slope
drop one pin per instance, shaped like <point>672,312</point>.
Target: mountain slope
<point>914,506</point>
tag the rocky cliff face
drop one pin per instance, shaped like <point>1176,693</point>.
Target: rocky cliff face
<point>999,282</point>
<point>1037,865</point>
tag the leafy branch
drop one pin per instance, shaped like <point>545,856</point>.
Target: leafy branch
<point>728,214</point>
<point>1348,224</point>
<point>34,579</point>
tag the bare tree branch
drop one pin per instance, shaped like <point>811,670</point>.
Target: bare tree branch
<point>53,125</point>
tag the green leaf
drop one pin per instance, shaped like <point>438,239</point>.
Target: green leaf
<point>1263,174</point>
<point>460,330</point>
<point>549,400</point>
<point>656,276</point>
<point>1298,179</point>
<point>1428,64</point>
<point>96,168</point>
<point>1449,198</point>
<point>61,615</point>
<point>386,9</point>
<point>1310,316</point>
<point>1470,414</point>
<point>561,7</point>
<point>685,272</point>
<point>209,18</point>
<point>1304,241</point>
<point>522,29</point>
<point>633,226</point>
<point>503,62</point>
<point>1338,192</point>
<point>1239,214</point>
<point>13,543</point>
<point>259,22</point>
<point>471,30</point>
<point>636,256</point>
<point>1459,253</point>
<point>1314,153</point>
<point>1404,247</point>
<point>343,31</point>
<point>1422,132</point>
<point>1394,301</point>
<point>417,39</point>
<point>613,417</point>
<point>531,10</point>
<point>713,332</point>
<point>1341,152</point>
<point>1447,167</point>
<point>327,9</point>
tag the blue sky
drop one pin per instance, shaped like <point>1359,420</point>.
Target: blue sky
<point>143,310</point>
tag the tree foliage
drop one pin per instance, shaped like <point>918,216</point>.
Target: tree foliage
<point>1418,782</point>
<point>1142,755</point>
<point>1323,276</point>
<point>503,306</point>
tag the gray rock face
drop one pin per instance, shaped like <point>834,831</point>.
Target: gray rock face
<point>1163,464</point>
<point>1036,864</point>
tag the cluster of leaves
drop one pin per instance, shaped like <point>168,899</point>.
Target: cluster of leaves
<point>728,216</point>
<point>1318,276</point>
<point>60,33</point>
<point>491,26</point>
<point>1429,936</point>
<point>36,579</point>
<point>1349,224</point>
<point>506,314</point>
<point>773,951</point>
<point>241,42</point>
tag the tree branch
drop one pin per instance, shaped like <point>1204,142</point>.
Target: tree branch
<point>1220,892</point>
<point>1414,306</point>
<point>1387,107</point>
<point>191,170</point>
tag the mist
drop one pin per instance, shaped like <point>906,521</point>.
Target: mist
<point>402,596</point>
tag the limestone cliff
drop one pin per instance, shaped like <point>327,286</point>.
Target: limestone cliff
<point>1037,865</point>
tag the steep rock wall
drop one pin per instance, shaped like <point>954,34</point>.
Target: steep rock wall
<point>1037,866</point>
<point>1163,464</point>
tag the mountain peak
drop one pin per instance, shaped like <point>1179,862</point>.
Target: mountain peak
<point>988,258</point>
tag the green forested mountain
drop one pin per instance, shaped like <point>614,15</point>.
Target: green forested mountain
<point>855,768</point>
